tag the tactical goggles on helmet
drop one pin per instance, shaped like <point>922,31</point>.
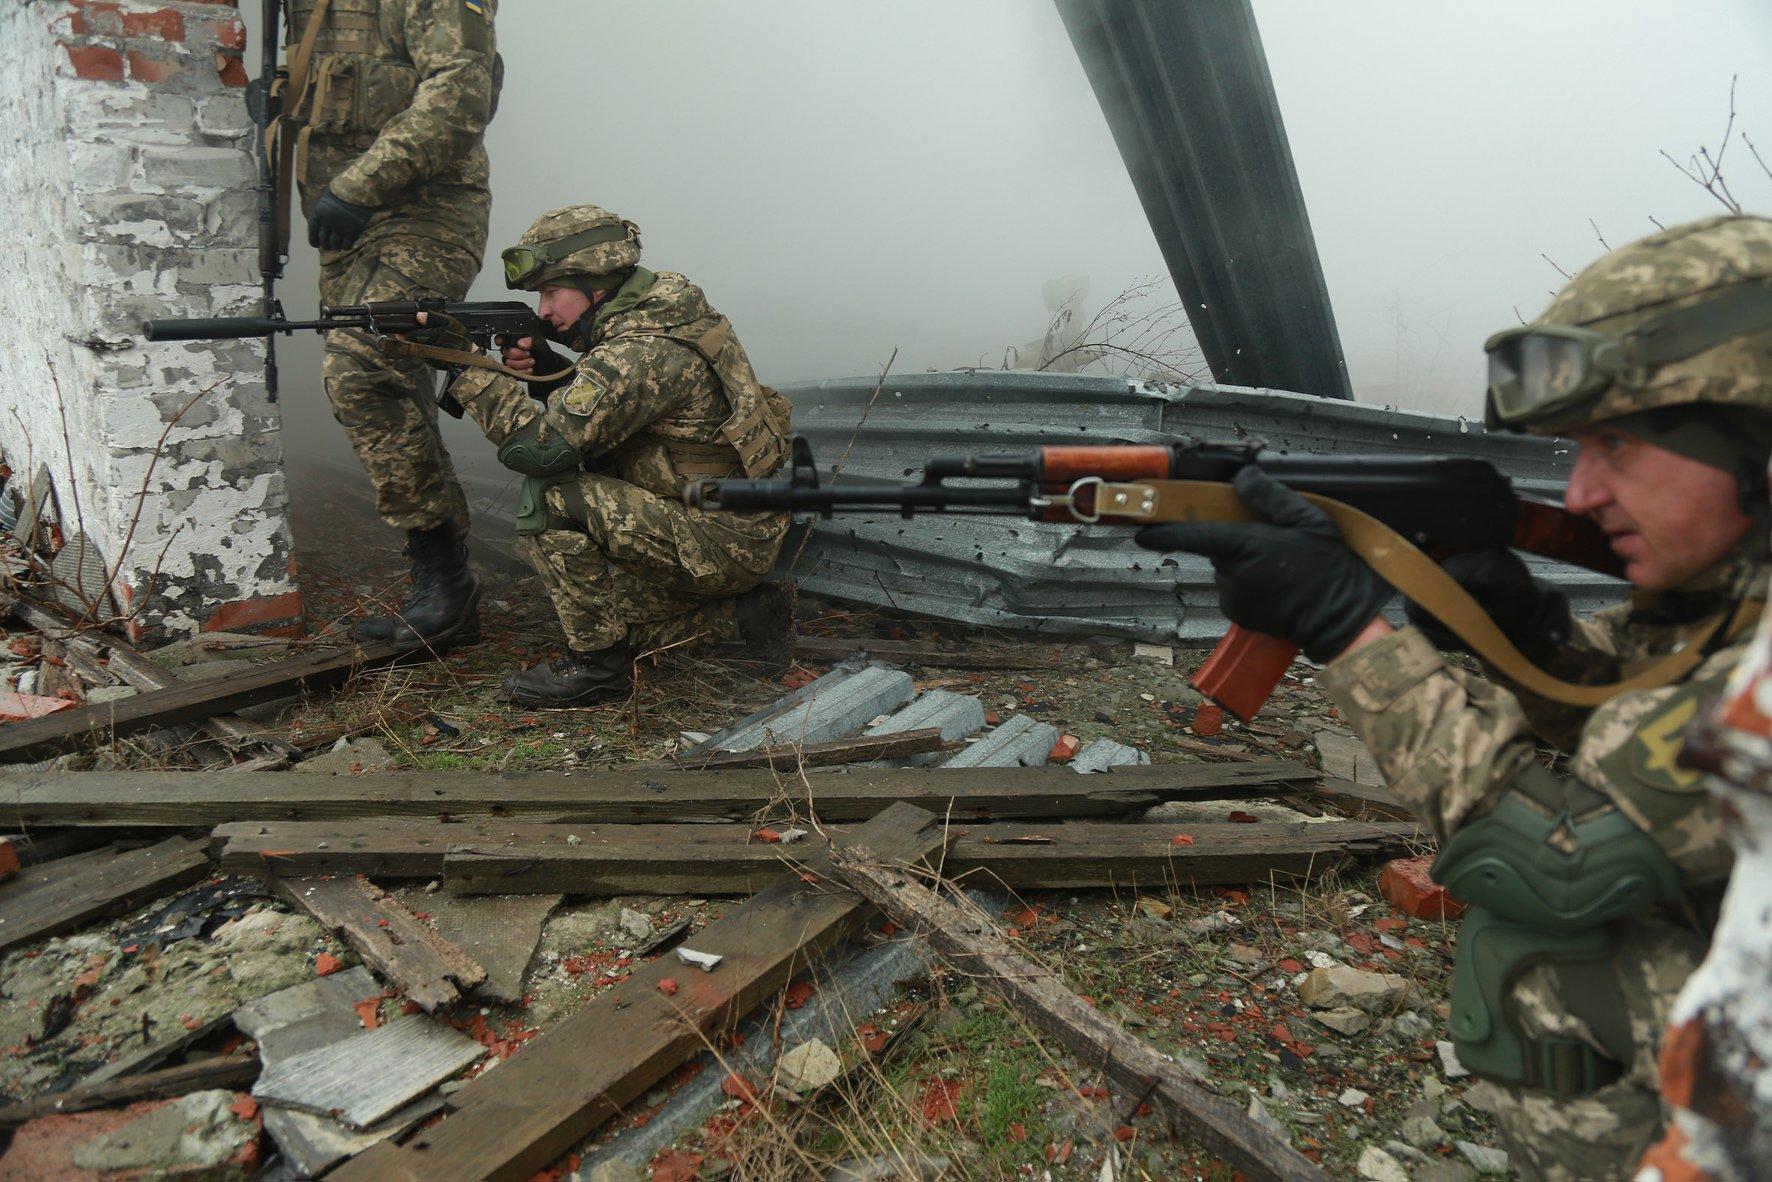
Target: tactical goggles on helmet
<point>1545,374</point>
<point>524,263</point>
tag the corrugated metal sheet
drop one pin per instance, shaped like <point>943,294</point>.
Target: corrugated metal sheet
<point>1186,91</point>
<point>1083,580</point>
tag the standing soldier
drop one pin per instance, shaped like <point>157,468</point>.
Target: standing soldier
<point>382,122</point>
<point>663,394</point>
<point>1593,885</point>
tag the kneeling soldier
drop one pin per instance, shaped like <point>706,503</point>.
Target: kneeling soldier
<point>662,394</point>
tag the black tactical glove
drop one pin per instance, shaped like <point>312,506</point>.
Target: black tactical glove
<point>442,332</point>
<point>1532,613</point>
<point>336,224</point>
<point>1288,574</point>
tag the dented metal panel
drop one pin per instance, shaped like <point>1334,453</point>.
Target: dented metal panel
<point>1009,572</point>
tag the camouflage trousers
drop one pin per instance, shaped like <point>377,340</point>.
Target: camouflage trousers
<point>386,407</point>
<point>646,569</point>
<point>1601,1135</point>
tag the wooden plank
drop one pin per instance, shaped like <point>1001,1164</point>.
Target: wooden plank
<point>392,940</point>
<point>55,897</point>
<point>621,795</point>
<point>46,845</point>
<point>514,1121</point>
<point>224,1071</point>
<point>978,950</point>
<point>516,858</point>
<point>181,702</point>
<point>1066,854</point>
<point>859,749</point>
<point>372,1075</point>
<point>133,668</point>
<point>1364,801</point>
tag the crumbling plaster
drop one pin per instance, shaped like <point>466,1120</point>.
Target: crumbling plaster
<point>127,174</point>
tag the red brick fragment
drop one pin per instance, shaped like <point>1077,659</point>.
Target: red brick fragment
<point>1182,839</point>
<point>327,964</point>
<point>1065,749</point>
<point>1690,1079</point>
<point>676,1165</point>
<point>797,994</point>
<point>668,987</point>
<point>1407,886</point>
<point>1208,719</point>
<point>9,859</point>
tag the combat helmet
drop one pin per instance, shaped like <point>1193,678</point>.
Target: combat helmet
<point>583,246</point>
<point>1681,318</point>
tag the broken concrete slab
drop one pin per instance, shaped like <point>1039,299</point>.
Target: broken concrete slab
<point>1018,741</point>
<point>1103,754</point>
<point>206,1135</point>
<point>369,1076</point>
<point>1337,986</point>
<point>349,757</point>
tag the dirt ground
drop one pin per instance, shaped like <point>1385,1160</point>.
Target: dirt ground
<point>946,1081</point>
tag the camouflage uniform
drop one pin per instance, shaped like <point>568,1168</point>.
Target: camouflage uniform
<point>622,557</point>
<point>1453,745</point>
<point>1449,742</point>
<point>399,94</point>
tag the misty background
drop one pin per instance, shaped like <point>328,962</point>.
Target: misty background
<point>846,180</point>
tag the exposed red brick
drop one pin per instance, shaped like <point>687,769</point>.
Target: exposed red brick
<point>1208,720</point>
<point>9,860</point>
<point>99,63</point>
<point>231,34</point>
<point>229,68</point>
<point>1065,749</point>
<point>1689,1078</point>
<point>96,19</point>
<point>1409,888</point>
<point>166,24</point>
<point>146,68</point>
<point>267,615</point>
<point>1668,1156</point>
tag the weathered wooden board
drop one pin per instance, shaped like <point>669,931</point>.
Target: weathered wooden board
<point>517,858</point>
<point>1368,802</point>
<point>974,946</point>
<point>941,656</point>
<point>499,932</point>
<point>513,1121</point>
<point>69,730</point>
<point>392,940</point>
<point>622,796</point>
<point>223,1071</point>
<point>54,897</point>
<point>369,1076</point>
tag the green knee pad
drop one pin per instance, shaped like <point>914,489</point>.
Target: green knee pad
<point>1545,871</point>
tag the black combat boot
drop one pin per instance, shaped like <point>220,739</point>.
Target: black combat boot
<point>765,616</point>
<point>443,609</point>
<point>576,679</point>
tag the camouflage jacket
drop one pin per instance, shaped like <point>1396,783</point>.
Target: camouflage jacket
<point>643,405</point>
<point>398,95</point>
<point>1448,741</point>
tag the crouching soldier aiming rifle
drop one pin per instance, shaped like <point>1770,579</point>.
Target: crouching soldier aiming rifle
<point>1592,888</point>
<point>661,394</point>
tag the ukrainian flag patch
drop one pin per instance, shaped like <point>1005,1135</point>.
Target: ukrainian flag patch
<point>477,7</point>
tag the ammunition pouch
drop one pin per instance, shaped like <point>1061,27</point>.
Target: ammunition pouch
<point>1546,870</point>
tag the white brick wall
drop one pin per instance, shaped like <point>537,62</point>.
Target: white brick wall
<point>126,177</point>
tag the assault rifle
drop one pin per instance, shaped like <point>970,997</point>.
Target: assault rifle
<point>1438,503</point>
<point>486,322</point>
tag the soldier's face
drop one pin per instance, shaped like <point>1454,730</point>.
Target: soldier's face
<point>1666,515</point>
<point>561,306</point>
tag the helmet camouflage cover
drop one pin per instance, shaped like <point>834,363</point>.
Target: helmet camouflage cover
<point>1685,266</point>
<point>606,244</point>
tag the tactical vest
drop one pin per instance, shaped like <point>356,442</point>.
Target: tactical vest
<point>757,430</point>
<point>356,79</point>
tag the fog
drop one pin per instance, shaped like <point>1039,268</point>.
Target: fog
<point>847,180</point>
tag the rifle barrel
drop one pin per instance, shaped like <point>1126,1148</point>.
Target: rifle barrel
<point>217,328</point>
